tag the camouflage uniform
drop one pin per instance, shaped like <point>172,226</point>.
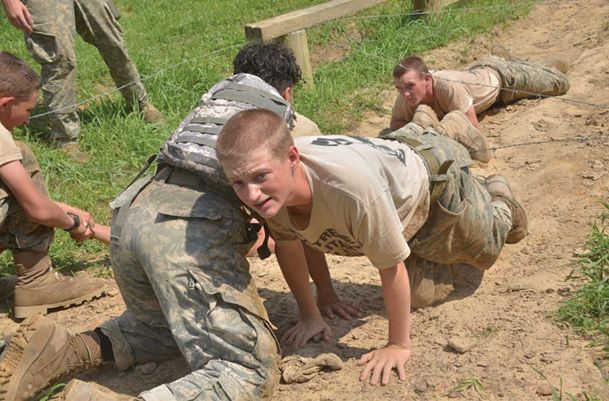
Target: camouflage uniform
<point>177,250</point>
<point>17,232</point>
<point>463,225</point>
<point>52,45</point>
<point>521,79</point>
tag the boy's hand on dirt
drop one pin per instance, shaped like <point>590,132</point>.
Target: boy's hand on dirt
<point>306,329</point>
<point>329,307</point>
<point>380,362</point>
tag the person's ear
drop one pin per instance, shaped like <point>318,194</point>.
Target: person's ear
<point>293,156</point>
<point>288,93</point>
<point>6,100</point>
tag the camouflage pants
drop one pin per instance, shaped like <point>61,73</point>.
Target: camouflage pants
<point>523,79</point>
<point>178,261</point>
<point>17,232</point>
<point>52,45</point>
<point>463,225</point>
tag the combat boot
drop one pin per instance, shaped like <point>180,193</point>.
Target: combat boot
<point>502,52</point>
<point>425,117</point>
<point>151,114</point>
<point>559,65</point>
<point>78,390</point>
<point>40,352</point>
<point>39,288</point>
<point>73,151</point>
<point>499,189</point>
<point>457,126</point>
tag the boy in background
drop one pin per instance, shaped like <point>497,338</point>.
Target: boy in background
<point>28,216</point>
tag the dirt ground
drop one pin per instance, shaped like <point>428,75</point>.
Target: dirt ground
<point>516,350</point>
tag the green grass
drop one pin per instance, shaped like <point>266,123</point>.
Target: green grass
<point>588,310</point>
<point>182,49</point>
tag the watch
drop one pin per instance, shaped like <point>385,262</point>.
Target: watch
<point>76,219</point>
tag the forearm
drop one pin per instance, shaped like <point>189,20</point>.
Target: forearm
<point>318,269</point>
<point>396,292</point>
<point>291,258</point>
<point>397,123</point>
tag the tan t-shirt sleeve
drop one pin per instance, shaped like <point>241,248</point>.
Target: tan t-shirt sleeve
<point>9,152</point>
<point>452,96</point>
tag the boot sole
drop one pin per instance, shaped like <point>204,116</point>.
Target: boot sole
<point>21,312</point>
<point>17,359</point>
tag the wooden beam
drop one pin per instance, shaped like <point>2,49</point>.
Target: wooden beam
<point>429,8</point>
<point>307,17</point>
<point>297,41</point>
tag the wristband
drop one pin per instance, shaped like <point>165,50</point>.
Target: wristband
<point>76,224</point>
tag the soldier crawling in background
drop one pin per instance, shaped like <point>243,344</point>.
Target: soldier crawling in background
<point>438,99</point>
<point>178,250</point>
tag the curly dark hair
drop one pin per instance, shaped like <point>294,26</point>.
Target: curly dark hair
<point>274,63</point>
<point>17,79</point>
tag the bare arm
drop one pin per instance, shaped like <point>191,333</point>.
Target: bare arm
<point>380,362</point>
<point>473,117</point>
<point>291,258</point>
<point>327,299</point>
<point>37,207</point>
<point>18,15</point>
<point>396,123</point>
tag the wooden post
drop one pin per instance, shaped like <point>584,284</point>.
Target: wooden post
<point>426,6</point>
<point>297,41</point>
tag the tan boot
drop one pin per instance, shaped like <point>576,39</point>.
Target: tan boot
<point>559,65</point>
<point>78,390</point>
<point>152,115</point>
<point>499,188</point>
<point>40,352</point>
<point>425,117</point>
<point>39,288</point>
<point>74,152</point>
<point>457,126</point>
<point>501,51</point>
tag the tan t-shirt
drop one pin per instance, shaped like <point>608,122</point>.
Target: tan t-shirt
<point>304,127</point>
<point>8,150</point>
<point>370,196</point>
<point>456,90</point>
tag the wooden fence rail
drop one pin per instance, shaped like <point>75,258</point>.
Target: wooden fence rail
<point>289,28</point>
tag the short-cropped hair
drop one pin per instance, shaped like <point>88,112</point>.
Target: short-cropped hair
<point>411,63</point>
<point>17,79</point>
<point>250,130</point>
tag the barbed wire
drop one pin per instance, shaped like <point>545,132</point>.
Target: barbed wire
<point>377,16</point>
<point>156,74</point>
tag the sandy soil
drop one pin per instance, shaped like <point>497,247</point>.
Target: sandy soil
<point>505,316</point>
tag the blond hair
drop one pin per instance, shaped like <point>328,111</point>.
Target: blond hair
<point>250,130</point>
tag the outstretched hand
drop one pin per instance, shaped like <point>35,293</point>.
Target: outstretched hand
<point>306,329</point>
<point>380,362</point>
<point>328,306</point>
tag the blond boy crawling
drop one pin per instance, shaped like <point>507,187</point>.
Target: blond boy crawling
<point>409,204</point>
<point>27,215</point>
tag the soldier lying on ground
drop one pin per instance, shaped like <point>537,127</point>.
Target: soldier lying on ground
<point>426,96</point>
<point>410,204</point>
<point>178,248</point>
